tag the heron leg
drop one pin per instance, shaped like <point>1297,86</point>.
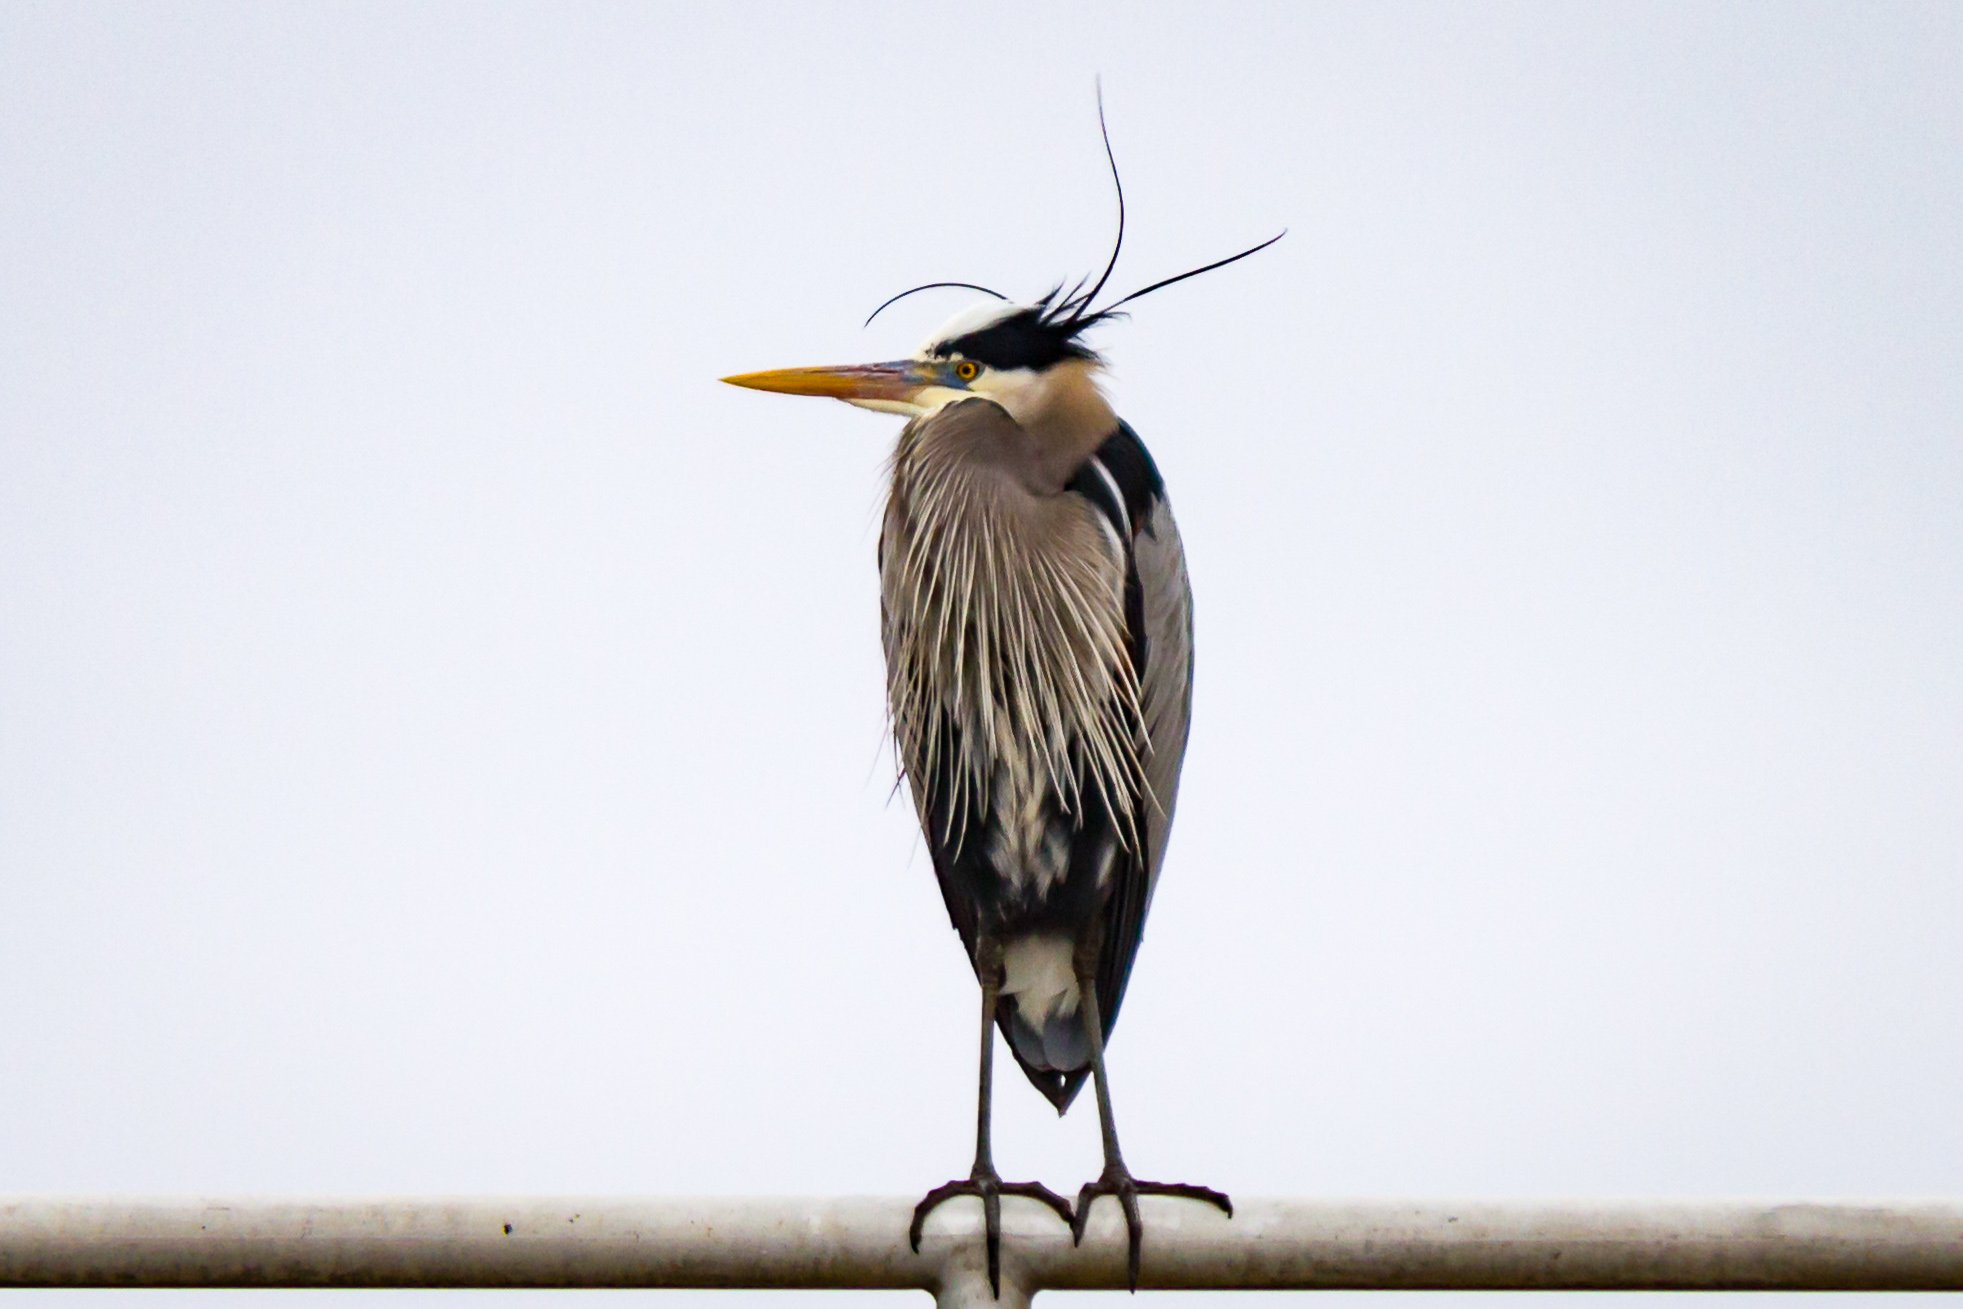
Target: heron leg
<point>1116,1179</point>
<point>983,1182</point>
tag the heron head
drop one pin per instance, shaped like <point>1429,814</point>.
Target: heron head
<point>1030,359</point>
<point>1027,358</point>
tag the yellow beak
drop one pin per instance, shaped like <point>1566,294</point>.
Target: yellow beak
<point>896,381</point>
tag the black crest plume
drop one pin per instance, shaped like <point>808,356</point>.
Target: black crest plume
<point>1046,332</point>
<point>928,286</point>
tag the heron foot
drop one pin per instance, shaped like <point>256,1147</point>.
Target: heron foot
<point>1117,1181</point>
<point>988,1187</point>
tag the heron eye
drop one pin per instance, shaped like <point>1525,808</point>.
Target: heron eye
<point>967,370</point>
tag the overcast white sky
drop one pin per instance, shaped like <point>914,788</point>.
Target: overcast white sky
<point>440,726</point>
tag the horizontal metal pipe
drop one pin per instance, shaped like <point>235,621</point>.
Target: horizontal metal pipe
<point>844,1243</point>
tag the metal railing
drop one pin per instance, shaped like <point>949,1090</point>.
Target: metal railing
<point>861,1243</point>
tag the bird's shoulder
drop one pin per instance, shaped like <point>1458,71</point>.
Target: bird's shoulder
<point>1122,482</point>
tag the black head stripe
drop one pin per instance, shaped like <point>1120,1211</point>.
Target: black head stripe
<point>1036,337</point>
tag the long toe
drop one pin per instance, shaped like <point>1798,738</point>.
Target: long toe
<point>1188,1191</point>
<point>933,1200</point>
<point>1043,1194</point>
<point>1126,1189</point>
<point>989,1190</point>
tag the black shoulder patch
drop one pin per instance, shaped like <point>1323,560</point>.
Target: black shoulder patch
<point>1122,464</point>
<point>1106,494</point>
<point>1125,457</point>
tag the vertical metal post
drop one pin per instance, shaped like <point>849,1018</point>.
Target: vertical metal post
<point>964,1285</point>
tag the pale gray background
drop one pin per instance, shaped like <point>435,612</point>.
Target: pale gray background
<point>440,733</point>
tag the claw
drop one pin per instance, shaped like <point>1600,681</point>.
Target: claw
<point>1119,1183</point>
<point>989,1189</point>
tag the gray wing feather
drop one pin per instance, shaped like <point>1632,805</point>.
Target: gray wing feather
<point>1165,702</point>
<point>1166,687</point>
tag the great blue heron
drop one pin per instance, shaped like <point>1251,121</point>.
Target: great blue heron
<point>1038,630</point>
